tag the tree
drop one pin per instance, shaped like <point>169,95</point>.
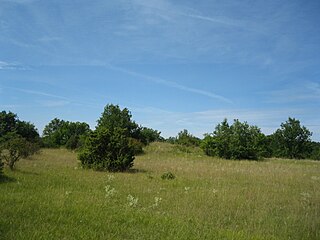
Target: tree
<point>52,133</point>
<point>222,139</point>
<point>148,135</point>
<point>292,140</point>
<point>10,123</point>
<point>246,141</point>
<point>64,133</point>
<point>107,149</point>
<point>238,141</point>
<point>18,139</point>
<point>113,117</point>
<point>15,148</point>
<point>187,139</point>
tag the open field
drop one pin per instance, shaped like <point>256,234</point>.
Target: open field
<point>50,197</point>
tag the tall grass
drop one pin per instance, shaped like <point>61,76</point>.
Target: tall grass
<point>50,197</point>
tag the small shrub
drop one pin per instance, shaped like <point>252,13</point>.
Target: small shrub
<point>168,176</point>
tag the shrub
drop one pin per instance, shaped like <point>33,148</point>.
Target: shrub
<point>238,141</point>
<point>168,176</point>
<point>187,139</point>
<point>16,148</point>
<point>107,150</point>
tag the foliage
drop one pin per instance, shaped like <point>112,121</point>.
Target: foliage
<point>208,144</point>
<point>315,152</point>
<point>10,123</point>
<point>292,140</point>
<point>187,139</point>
<point>168,176</point>
<point>107,149</point>
<point>136,145</point>
<point>149,135</point>
<point>113,117</point>
<point>171,140</point>
<point>64,133</point>
<point>1,165</point>
<point>15,148</point>
<point>238,141</point>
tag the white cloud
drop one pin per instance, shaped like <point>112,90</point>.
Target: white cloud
<point>11,66</point>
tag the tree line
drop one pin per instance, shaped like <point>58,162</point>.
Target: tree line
<point>115,141</point>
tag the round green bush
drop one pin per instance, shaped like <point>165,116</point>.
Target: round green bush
<point>107,150</point>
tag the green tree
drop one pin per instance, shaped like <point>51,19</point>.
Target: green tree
<point>10,123</point>
<point>246,141</point>
<point>238,141</point>
<point>107,149</point>
<point>15,148</point>
<point>292,140</point>
<point>64,133</point>
<point>148,135</point>
<point>113,117</point>
<point>187,139</point>
<point>222,139</point>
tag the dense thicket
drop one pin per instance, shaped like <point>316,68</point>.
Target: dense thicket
<point>59,133</point>
<point>242,141</point>
<point>236,141</point>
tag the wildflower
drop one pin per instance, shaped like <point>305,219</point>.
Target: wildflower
<point>157,201</point>
<point>109,191</point>
<point>132,201</point>
<point>68,193</point>
<point>186,189</point>
<point>110,178</point>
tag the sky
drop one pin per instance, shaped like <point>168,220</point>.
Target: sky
<point>174,64</point>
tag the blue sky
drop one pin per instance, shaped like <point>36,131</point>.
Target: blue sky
<point>174,64</point>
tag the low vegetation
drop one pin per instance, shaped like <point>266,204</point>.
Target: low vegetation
<point>50,197</point>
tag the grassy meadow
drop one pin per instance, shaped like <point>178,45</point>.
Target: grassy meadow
<point>49,197</point>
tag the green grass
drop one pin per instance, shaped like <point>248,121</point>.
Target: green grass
<point>49,197</point>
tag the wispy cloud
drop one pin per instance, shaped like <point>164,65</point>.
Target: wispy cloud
<point>39,93</point>
<point>12,66</point>
<point>59,103</point>
<point>300,93</point>
<point>50,39</point>
<point>171,84</point>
